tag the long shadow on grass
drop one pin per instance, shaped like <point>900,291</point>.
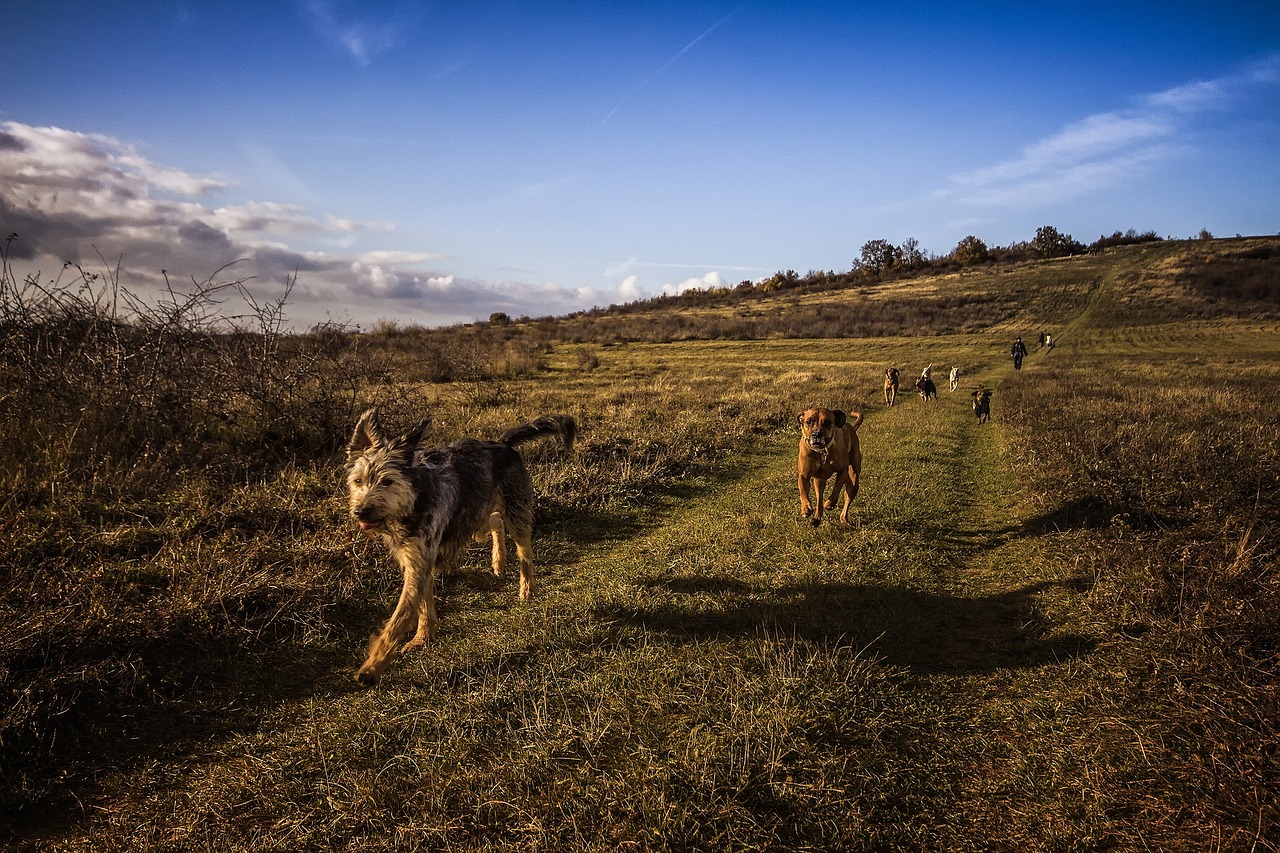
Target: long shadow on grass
<point>107,702</point>
<point>188,685</point>
<point>1086,513</point>
<point>922,631</point>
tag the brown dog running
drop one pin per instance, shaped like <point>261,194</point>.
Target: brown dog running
<point>982,404</point>
<point>890,386</point>
<point>828,448</point>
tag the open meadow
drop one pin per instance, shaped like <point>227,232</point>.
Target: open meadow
<point>1054,631</point>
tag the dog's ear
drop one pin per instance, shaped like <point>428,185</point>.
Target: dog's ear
<point>800,418</point>
<point>368,433</point>
<point>413,437</point>
<point>841,419</point>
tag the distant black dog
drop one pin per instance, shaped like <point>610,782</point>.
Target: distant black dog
<point>429,505</point>
<point>928,391</point>
<point>982,404</point>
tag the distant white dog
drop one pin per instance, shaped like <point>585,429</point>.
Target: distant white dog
<point>954,379</point>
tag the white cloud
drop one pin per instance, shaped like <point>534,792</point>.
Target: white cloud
<point>398,258</point>
<point>363,36</point>
<point>621,267</point>
<point>1104,149</point>
<point>629,288</point>
<point>263,216</point>
<point>706,282</point>
<point>552,186</point>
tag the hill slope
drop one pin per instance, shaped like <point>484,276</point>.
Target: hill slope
<point>1054,631</point>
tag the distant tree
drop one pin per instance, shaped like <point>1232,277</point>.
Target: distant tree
<point>878,256</point>
<point>1128,238</point>
<point>971,251</point>
<point>1204,234</point>
<point>1049,242</point>
<point>910,254</point>
<point>499,318</point>
<point>780,281</point>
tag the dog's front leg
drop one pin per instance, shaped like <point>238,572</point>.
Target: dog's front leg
<point>806,508</point>
<point>821,487</point>
<point>427,619</point>
<point>842,480</point>
<point>416,605</point>
<point>850,493</point>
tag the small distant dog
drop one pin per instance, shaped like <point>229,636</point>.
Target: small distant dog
<point>428,506</point>
<point>890,386</point>
<point>828,448</point>
<point>928,391</point>
<point>982,404</point>
<point>954,378</point>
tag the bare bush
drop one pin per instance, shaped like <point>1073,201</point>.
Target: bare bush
<point>100,385</point>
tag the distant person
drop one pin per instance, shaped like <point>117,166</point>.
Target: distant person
<point>1042,336</point>
<point>1048,341</point>
<point>1019,352</point>
<point>954,379</point>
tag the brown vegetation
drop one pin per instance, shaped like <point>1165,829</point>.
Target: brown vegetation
<point>1058,630</point>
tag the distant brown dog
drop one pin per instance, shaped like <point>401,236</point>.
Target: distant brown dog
<point>890,386</point>
<point>828,448</point>
<point>982,404</point>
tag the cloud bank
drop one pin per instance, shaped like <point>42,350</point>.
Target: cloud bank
<point>87,198</point>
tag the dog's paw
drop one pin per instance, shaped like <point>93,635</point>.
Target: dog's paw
<point>413,645</point>
<point>815,522</point>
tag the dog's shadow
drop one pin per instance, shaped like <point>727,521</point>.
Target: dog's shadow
<point>925,632</point>
<point>1080,514</point>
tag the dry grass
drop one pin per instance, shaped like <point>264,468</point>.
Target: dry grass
<point>1056,631</point>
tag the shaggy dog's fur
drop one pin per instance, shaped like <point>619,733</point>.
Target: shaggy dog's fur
<point>828,447</point>
<point>428,506</point>
<point>928,391</point>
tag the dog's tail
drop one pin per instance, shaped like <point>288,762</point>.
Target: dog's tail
<point>853,420</point>
<point>561,425</point>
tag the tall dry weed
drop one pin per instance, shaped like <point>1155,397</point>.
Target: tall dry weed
<point>1181,479</point>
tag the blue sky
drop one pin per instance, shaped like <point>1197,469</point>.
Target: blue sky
<point>435,162</point>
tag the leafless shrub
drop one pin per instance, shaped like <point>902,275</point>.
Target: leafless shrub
<point>100,385</point>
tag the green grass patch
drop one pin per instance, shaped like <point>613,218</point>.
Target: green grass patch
<point>1054,631</point>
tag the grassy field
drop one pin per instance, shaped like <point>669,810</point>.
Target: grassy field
<point>1055,631</point>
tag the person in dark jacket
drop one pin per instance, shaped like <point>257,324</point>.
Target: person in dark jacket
<point>1019,352</point>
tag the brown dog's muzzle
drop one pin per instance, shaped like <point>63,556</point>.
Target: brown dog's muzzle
<point>818,441</point>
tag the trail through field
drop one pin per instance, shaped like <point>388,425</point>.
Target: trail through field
<point>946,587</point>
<point>940,571</point>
